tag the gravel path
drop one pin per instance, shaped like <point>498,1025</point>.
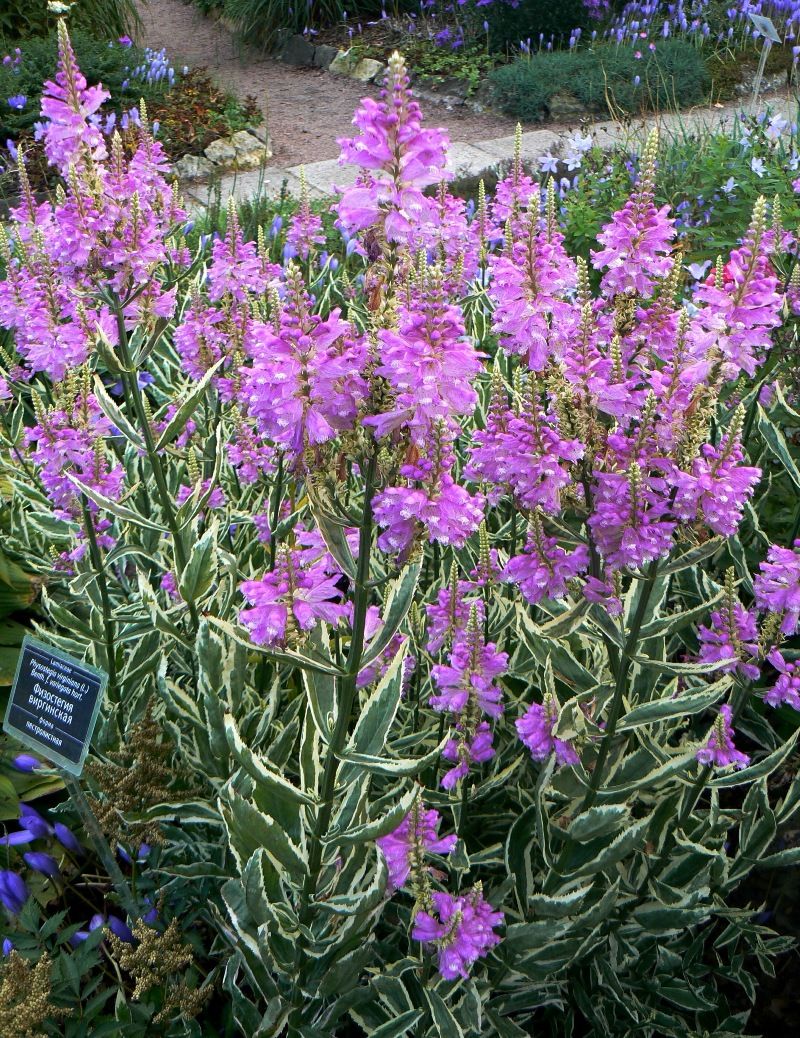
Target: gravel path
<point>305,109</point>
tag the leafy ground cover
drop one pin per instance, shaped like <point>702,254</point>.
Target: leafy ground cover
<point>443,557</point>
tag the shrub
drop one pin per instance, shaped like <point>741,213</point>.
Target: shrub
<point>261,20</point>
<point>448,566</point>
<point>509,24</point>
<point>22,19</point>
<point>604,78</point>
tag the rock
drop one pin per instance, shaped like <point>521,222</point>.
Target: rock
<point>250,151</point>
<point>445,87</point>
<point>343,63</point>
<point>297,51</point>
<point>221,152</point>
<point>324,55</point>
<point>193,167</point>
<point>566,106</point>
<point>261,133</point>
<point>366,70</point>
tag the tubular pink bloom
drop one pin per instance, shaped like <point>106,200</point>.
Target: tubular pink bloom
<point>544,569</point>
<point>462,928</point>
<point>720,751</point>
<point>737,316</point>
<point>638,239</point>
<point>466,749</point>
<point>787,688</point>
<point>628,522</point>
<point>309,593</point>
<point>777,586</point>
<point>401,158</point>
<point>304,384</point>
<point>733,634</point>
<point>536,727</point>
<point>428,361</point>
<point>70,137</point>
<point>416,835</point>
<point>717,488</point>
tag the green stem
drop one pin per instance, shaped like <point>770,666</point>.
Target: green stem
<point>133,393</point>
<point>108,620</point>
<point>346,696</point>
<point>623,669</point>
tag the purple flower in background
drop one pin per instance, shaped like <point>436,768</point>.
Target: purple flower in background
<point>787,688</point>
<point>26,762</point>
<point>777,586</point>
<point>46,864</point>
<point>8,946</point>
<point>31,819</point>
<point>416,835</point>
<point>13,891</point>
<point>120,929</point>
<point>17,102</point>
<point>536,727</point>
<point>67,838</point>
<point>461,928</point>
<point>719,750</point>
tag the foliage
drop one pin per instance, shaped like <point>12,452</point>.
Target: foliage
<point>511,23</point>
<point>603,79</point>
<point>727,171</point>
<point>262,20</point>
<point>23,19</point>
<point>458,573</point>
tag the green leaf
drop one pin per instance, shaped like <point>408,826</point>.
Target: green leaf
<point>676,621</point>
<point>250,830</point>
<point>334,535</point>
<point>176,424</point>
<point>684,705</point>
<point>381,826</point>
<point>258,768</point>
<point>394,765</point>
<point>666,667</point>
<point>297,659</point>
<point>597,821</point>
<point>618,849</point>
<point>120,511</point>
<point>201,568</point>
<point>776,444</point>
<point>398,602</point>
<point>378,713</point>
<point>399,1026</point>
<point>693,556</point>
<point>116,415</point>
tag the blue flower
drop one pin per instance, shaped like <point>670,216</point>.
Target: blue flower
<point>8,947</point>
<point>33,821</point>
<point>120,929</point>
<point>13,891</point>
<point>67,838</point>
<point>17,102</point>
<point>26,762</point>
<point>44,863</point>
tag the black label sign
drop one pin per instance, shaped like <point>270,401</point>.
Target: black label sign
<point>54,704</point>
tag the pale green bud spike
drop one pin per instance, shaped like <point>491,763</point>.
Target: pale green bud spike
<point>518,153</point>
<point>719,273</point>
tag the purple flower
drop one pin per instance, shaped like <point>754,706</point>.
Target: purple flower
<point>777,586</point>
<point>544,568</point>
<point>67,838</point>
<point>21,836</point>
<point>787,688</point>
<point>536,727</point>
<point>290,597</point>
<point>13,891</point>
<point>44,863</point>
<point>26,762</point>
<point>416,835</point>
<point>33,821</point>
<point>467,747</point>
<point>461,928</point>
<point>8,947</point>
<point>120,929</point>
<point>719,750</point>
<point>78,937</point>
<point>17,102</point>
<point>733,635</point>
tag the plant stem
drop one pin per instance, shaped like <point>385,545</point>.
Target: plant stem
<point>623,669</point>
<point>346,695</point>
<point>108,620</point>
<point>134,395</point>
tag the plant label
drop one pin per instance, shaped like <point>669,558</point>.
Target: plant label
<point>54,704</point>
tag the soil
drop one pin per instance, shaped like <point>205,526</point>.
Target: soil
<point>305,109</point>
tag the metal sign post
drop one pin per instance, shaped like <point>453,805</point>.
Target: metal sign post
<point>766,28</point>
